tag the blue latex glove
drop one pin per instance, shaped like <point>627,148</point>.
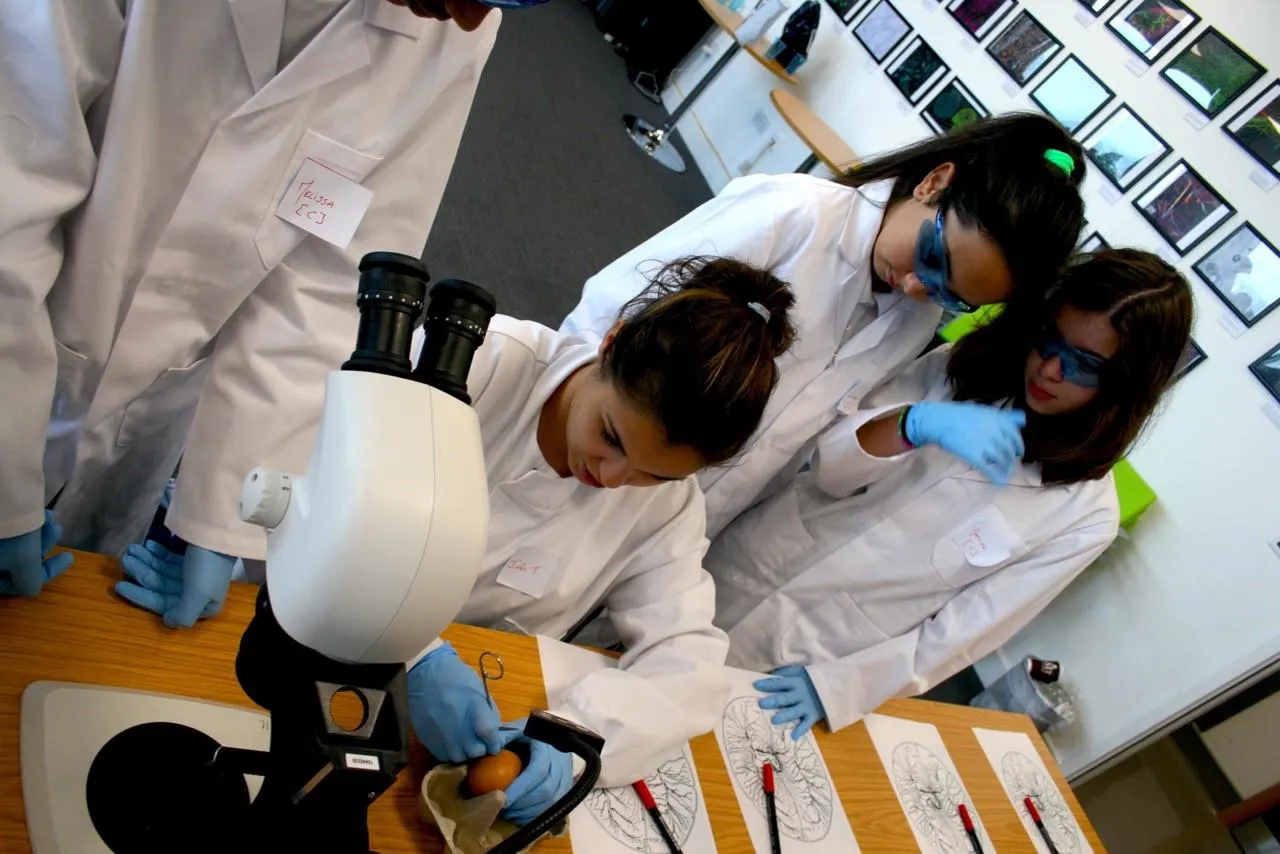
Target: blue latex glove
<point>546,777</point>
<point>180,588</point>
<point>791,691</point>
<point>449,710</point>
<point>987,438</point>
<point>24,569</point>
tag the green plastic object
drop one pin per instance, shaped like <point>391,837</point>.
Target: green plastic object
<point>1135,494</point>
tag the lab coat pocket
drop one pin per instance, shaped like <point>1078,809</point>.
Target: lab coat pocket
<point>276,238</point>
<point>828,629</point>
<point>982,545</point>
<point>167,403</point>
<point>69,394</point>
<point>771,540</point>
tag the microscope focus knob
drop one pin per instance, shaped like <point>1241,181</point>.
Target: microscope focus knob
<point>264,498</point>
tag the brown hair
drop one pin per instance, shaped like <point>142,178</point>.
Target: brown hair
<point>1149,305</point>
<point>693,351</point>
<point>1002,186</point>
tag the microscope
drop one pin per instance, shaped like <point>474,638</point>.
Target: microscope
<point>371,553</point>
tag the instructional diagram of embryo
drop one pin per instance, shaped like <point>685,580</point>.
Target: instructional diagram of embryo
<point>804,795</point>
<point>1022,778</point>
<point>620,813</point>
<point>930,795</point>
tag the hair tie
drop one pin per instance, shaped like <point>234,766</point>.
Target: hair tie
<point>1062,160</point>
<point>759,309</point>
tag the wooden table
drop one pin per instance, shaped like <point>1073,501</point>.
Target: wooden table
<point>823,141</point>
<point>77,631</point>
<point>653,140</point>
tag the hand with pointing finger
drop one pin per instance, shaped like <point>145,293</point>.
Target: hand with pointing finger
<point>986,437</point>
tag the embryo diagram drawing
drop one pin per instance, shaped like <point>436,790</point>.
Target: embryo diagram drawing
<point>930,796</point>
<point>621,814</point>
<point>803,792</point>
<point>1024,779</point>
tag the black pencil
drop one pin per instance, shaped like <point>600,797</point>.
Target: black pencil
<point>775,841</point>
<point>1044,831</point>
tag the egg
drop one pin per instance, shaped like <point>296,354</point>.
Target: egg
<point>493,773</point>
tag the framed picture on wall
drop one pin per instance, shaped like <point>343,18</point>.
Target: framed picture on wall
<point>1257,128</point>
<point>1244,270</point>
<point>1124,148</point>
<point>980,17</point>
<point>1267,370</point>
<point>1150,27</point>
<point>1072,94</point>
<point>1093,242</point>
<point>1095,6</point>
<point>881,30</point>
<point>846,9</point>
<point>1023,48</point>
<point>1211,72</point>
<point>1191,357</point>
<point>916,69</point>
<point>1183,207</point>
<point>953,107</point>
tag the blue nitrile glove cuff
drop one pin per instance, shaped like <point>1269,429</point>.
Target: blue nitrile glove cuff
<point>791,691</point>
<point>449,710</point>
<point>988,438</point>
<point>546,778</point>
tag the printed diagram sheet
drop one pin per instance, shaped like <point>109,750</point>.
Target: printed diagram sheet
<point>927,784</point>
<point>1023,775</point>
<point>613,821</point>
<point>810,815</point>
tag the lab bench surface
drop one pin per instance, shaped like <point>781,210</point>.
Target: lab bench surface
<point>77,630</point>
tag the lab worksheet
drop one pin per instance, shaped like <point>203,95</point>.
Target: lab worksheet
<point>810,816</point>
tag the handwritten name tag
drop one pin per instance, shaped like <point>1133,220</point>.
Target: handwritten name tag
<point>986,539</point>
<point>530,571</point>
<point>325,203</point>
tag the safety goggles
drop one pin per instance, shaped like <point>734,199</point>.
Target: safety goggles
<point>1078,366</point>
<point>931,268</point>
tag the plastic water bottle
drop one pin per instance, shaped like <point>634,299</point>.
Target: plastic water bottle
<point>1031,687</point>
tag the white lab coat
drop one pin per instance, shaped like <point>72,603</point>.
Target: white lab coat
<point>637,550</point>
<point>817,236</point>
<point>150,296</point>
<point>919,567</point>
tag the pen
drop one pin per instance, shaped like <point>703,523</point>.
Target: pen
<point>1044,831</point>
<point>969,829</point>
<point>775,842</point>
<point>651,807</point>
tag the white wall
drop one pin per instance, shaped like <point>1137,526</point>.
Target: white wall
<point>1192,603</point>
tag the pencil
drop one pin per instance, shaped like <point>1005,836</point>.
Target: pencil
<point>651,807</point>
<point>1044,831</point>
<point>775,841</point>
<point>969,828</point>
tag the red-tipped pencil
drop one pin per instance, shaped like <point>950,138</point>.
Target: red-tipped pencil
<point>651,807</point>
<point>775,841</point>
<point>969,828</point>
<point>1035,817</point>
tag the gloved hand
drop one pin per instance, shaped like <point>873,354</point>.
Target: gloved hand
<point>180,588</point>
<point>791,690</point>
<point>449,710</point>
<point>546,777</point>
<point>24,569</point>
<point>985,437</point>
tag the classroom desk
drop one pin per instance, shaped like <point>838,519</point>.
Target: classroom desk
<point>77,631</point>
<point>822,140</point>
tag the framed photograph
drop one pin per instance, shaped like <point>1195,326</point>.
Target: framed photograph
<point>1244,270</point>
<point>1093,242</point>
<point>1183,207</point>
<point>1124,148</point>
<point>1023,48</point>
<point>1095,6</point>
<point>1211,72</point>
<point>1072,94</point>
<point>916,70</point>
<point>1191,357</point>
<point>1150,27</point>
<point>980,17</point>
<point>846,9</point>
<point>1257,128</point>
<point>953,107</point>
<point>882,30</point>
<point>1267,370</point>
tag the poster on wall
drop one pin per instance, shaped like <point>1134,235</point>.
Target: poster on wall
<point>1095,6</point>
<point>1094,242</point>
<point>846,9</point>
<point>1072,94</point>
<point>1211,72</point>
<point>1150,27</point>
<point>916,70</point>
<point>1183,207</point>
<point>980,17</point>
<point>953,107</point>
<point>1244,270</point>
<point>1191,357</point>
<point>1267,370</point>
<point>1257,128</point>
<point>1124,148</point>
<point>882,30</point>
<point>1023,48</point>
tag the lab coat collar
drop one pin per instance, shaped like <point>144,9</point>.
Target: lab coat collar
<point>259,27</point>
<point>863,223</point>
<point>397,19</point>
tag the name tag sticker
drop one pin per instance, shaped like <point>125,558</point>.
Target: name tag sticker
<point>986,539</point>
<point>530,572</point>
<point>325,203</point>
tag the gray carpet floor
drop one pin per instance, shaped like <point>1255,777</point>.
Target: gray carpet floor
<point>547,187</point>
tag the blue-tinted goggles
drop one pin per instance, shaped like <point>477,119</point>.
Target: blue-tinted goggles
<point>931,268</point>
<point>1078,366</point>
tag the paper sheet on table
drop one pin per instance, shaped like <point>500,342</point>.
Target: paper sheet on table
<point>613,821</point>
<point>810,816</point>
<point>1023,774</point>
<point>927,784</point>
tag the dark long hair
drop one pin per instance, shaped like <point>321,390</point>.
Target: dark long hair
<point>694,352</point>
<point>1003,186</point>
<point>1149,305</point>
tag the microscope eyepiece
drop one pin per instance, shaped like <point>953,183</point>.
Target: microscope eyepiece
<point>393,290</point>
<point>457,318</point>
